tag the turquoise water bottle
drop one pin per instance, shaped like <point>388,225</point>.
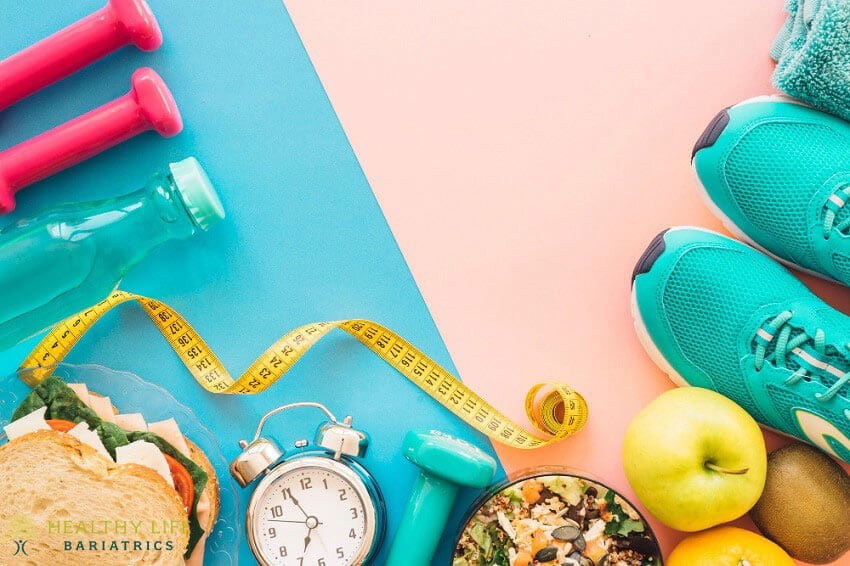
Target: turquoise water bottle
<point>70,257</point>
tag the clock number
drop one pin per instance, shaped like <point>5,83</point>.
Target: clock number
<point>306,483</point>
<point>273,533</point>
<point>351,534</point>
<point>277,511</point>
<point>321,562</point>
<point>343,496</point>
<point>283,552</point>
<point>325,481</point>
<point>340,553</point>
<point>287,493</point>
<point>354,512</point>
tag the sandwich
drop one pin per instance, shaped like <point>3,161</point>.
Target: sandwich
<point>81,483</point>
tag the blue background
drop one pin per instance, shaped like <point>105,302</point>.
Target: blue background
<point>304,239</point>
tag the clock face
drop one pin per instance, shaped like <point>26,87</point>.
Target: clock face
<point>313,515</point>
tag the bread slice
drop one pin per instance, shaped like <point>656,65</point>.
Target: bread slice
<point>213,488</point>
<point>56,492</point>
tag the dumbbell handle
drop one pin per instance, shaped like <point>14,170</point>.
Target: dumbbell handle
<point>148,106</point>
<point>423,522</point>
<point>115,25</point>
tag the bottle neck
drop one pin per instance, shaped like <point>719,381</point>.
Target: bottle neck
<point>167,208</point>
<point>144,219</point>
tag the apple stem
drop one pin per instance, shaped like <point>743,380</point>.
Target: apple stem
<point>715,468</point>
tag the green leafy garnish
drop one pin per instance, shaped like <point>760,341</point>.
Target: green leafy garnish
<point>620,523</point>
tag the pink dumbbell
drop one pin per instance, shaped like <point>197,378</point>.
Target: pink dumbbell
<point>117,24</point>
<point>148,106</point>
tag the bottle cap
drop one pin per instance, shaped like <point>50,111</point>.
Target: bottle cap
<point>197,192</point>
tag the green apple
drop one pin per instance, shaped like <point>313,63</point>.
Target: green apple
<point>695,459</point>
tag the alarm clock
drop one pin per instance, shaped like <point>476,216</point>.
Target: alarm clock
<point>318,506</point>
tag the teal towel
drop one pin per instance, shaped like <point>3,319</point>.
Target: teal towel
<point>812,51</point>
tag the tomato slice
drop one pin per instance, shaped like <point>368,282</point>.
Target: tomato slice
<point>60,425</point>
<point>182,481</point>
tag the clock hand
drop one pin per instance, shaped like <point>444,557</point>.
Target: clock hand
<point>312,523</point>
<point>290,521</point>
<point>295,501</point>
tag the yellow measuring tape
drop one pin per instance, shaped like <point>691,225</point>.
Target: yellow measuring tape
<point>561,413</point>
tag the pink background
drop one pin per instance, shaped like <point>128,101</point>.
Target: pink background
<point>525,154</point>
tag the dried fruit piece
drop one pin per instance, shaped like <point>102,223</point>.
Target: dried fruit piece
<point>531,491</point>
<point>538,540</point>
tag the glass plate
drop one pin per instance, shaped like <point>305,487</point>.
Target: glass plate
<point>131,394</point>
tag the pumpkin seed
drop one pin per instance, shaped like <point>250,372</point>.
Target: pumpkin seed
<point>566,533</point>
<point>580,543</point>
<point>546,554</point>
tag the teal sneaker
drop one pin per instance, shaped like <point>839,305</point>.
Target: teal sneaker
<point>777,173</point>
<point>715,313</point>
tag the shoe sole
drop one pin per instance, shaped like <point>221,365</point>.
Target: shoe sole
<point>650,347</point>
<point>730,225</point>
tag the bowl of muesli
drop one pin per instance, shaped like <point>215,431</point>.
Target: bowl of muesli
<point>555,518</point>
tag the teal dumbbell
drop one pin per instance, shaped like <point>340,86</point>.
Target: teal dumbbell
<point>447,463</point>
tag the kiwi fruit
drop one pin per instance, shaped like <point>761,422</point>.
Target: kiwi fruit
<point>805,505</point>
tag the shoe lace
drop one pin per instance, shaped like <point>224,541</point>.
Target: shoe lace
<point>834,204</point>
<point>789,342</point>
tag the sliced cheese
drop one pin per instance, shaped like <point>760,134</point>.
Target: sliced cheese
<point>144,454</point>
<point>82,392</point>
<point>204,510</point>
<point>103,407</point>
<point>25,425</point>
<point>197,556</point>
<point>170,432</point>
<point>132,421</point>
<point>84,434</point>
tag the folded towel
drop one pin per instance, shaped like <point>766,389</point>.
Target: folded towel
<point>812,52</point>
<point>784,34</point>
